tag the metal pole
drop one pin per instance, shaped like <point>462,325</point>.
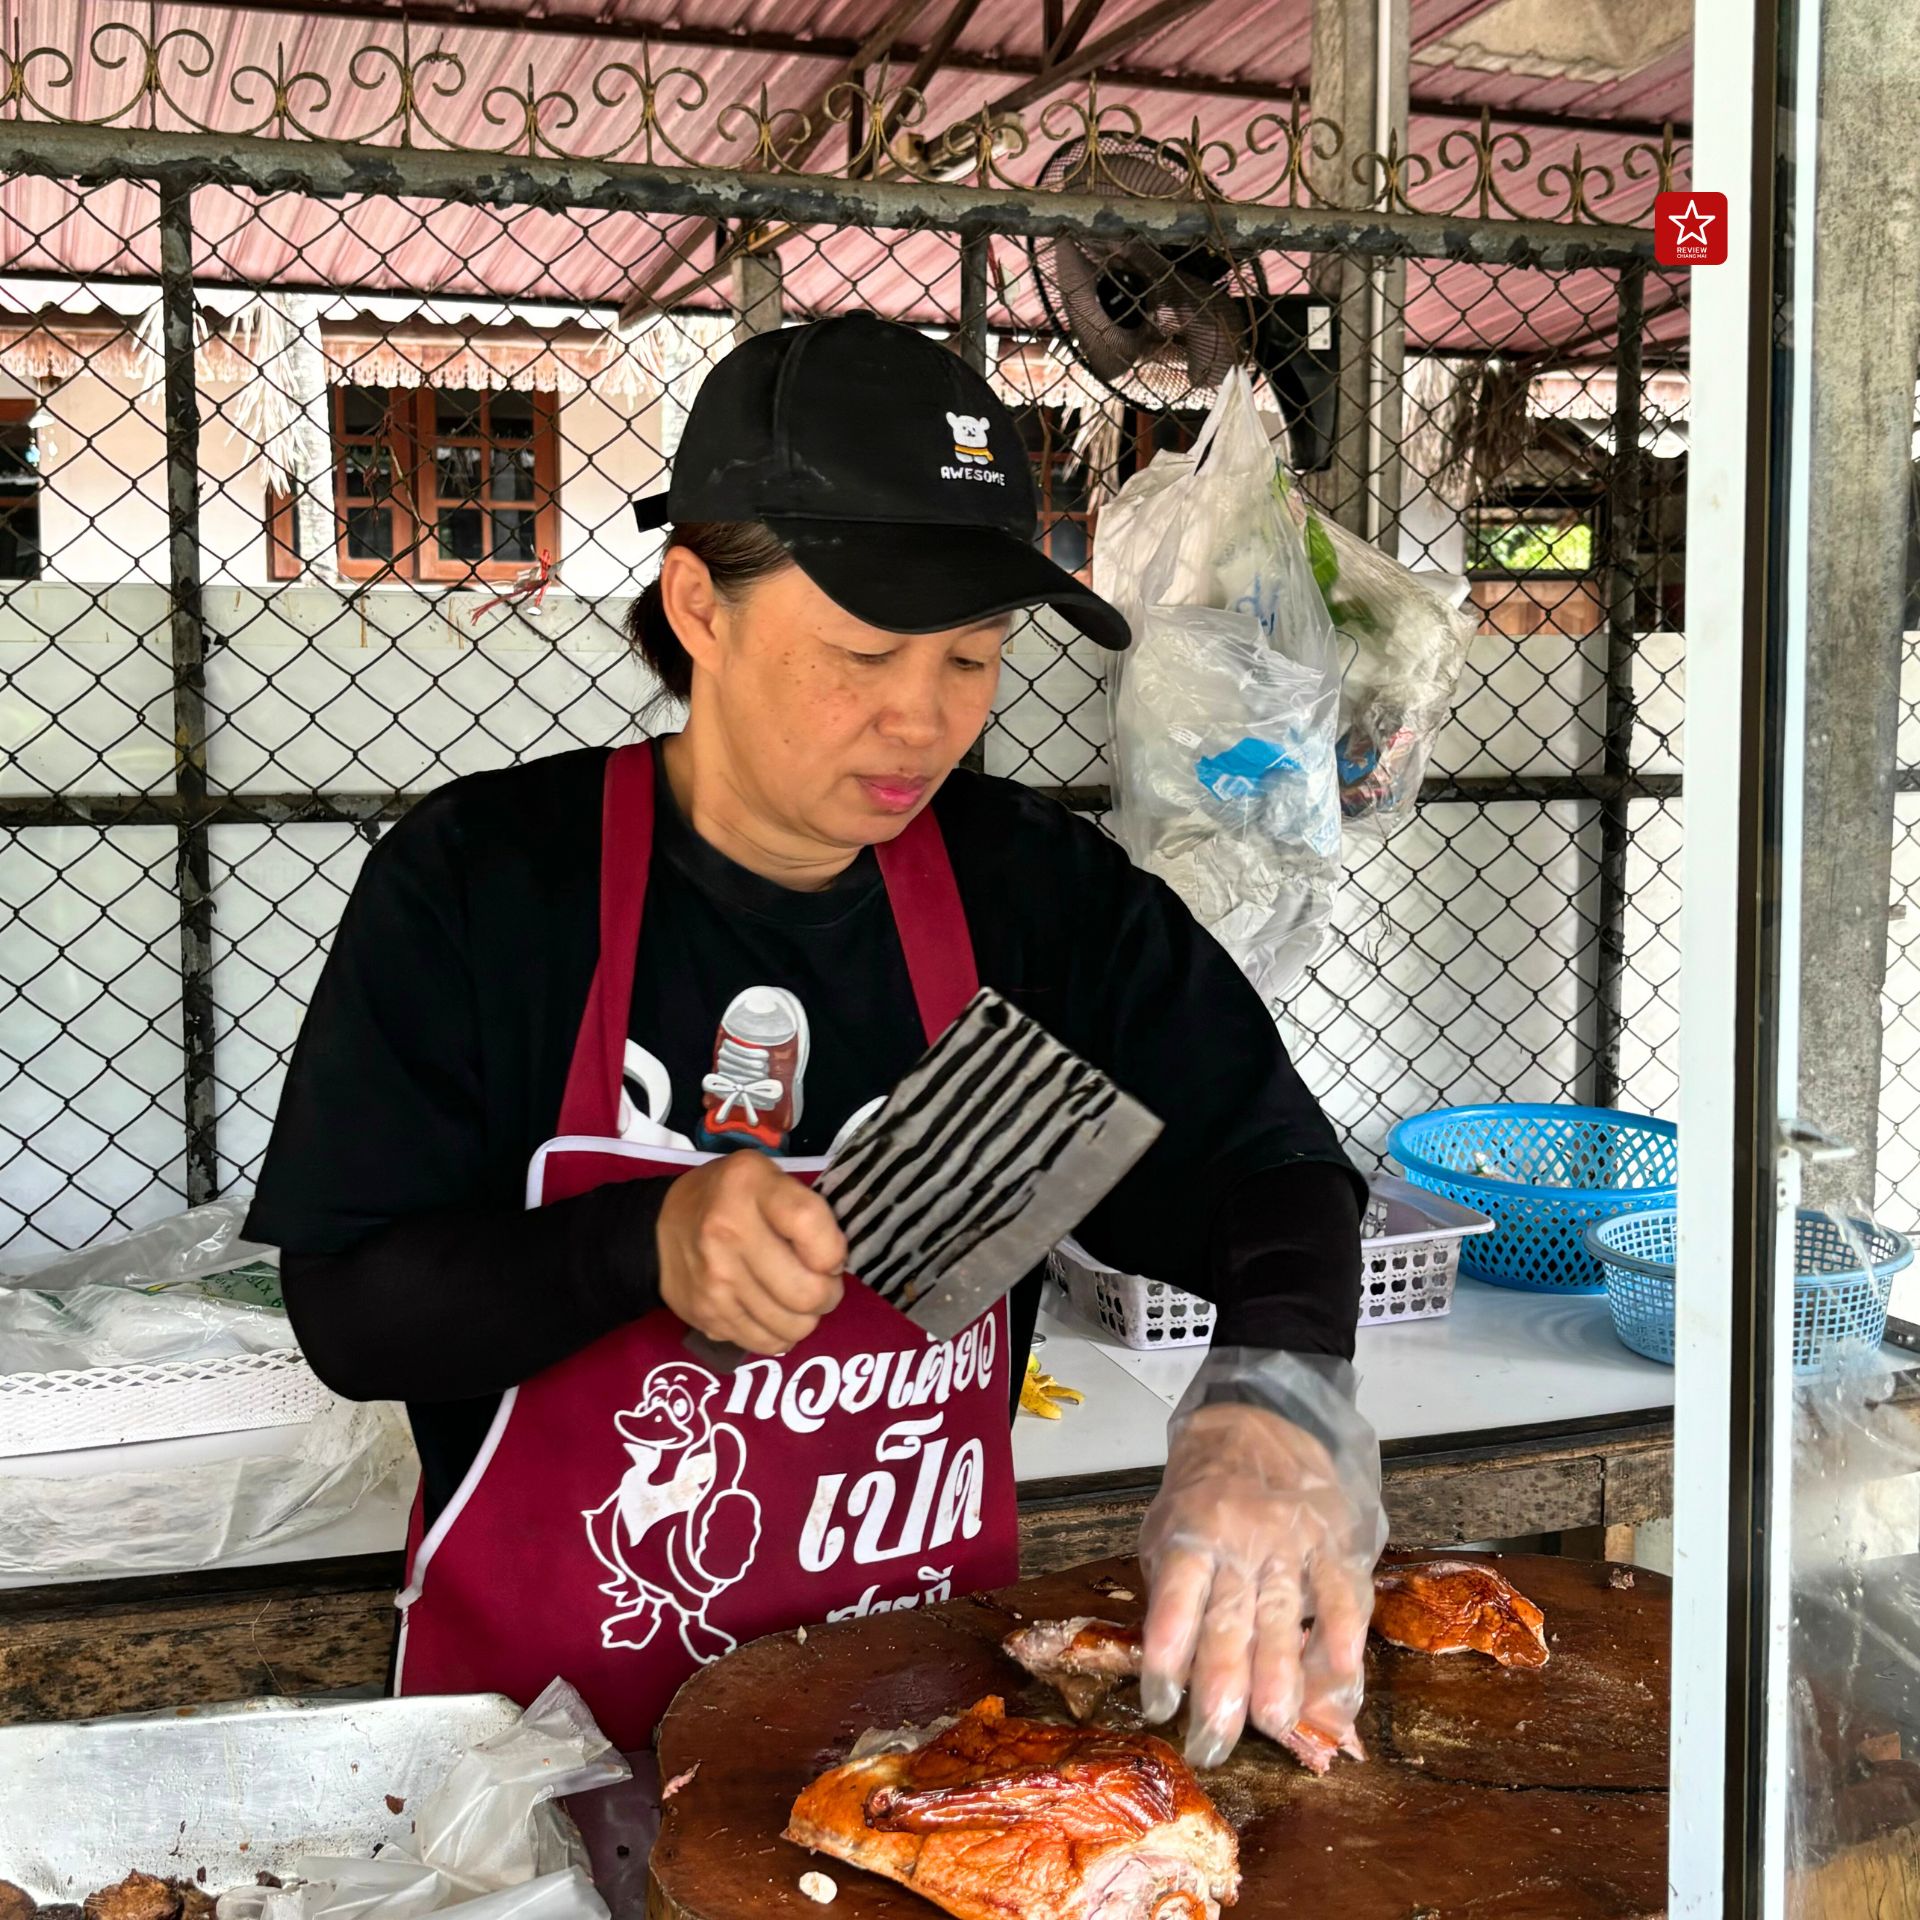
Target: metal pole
<point>973,301</point>
<point>1726,1477</point>
<point>972,342</point>
<point>187,632</point>
<point>333,170</point>
<point>1624,494</point>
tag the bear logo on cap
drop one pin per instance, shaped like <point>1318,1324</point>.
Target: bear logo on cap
<point>970,438</point>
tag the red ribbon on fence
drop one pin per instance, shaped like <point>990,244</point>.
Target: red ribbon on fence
<point>533,582</point>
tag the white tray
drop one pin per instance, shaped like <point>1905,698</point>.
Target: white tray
<point>167,1400</point>
<point>1410,1257</point>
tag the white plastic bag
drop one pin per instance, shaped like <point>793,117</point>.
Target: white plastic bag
<point>491,1823</point>
<point>394,1889</point>
<point>490,1840</point>
<point>1404,638</point>
<point>185,1246</point>
<point>1225,782</point>
<point>167,1292</point>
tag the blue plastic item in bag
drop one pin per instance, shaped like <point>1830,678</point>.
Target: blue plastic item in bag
<point>1244,769</point>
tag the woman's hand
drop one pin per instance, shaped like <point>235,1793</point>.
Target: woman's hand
<point>748,1255</point>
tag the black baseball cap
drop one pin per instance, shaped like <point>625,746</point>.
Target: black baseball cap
<point>886,466</point>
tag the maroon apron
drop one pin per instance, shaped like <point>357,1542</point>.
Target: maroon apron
<point>631,1515</point>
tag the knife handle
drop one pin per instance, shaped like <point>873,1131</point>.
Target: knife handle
<point>721,1356</point>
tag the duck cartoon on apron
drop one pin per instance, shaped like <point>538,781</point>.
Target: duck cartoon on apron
<point>633,1515</point>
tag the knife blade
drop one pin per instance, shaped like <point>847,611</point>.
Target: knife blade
<point>995,1145</point>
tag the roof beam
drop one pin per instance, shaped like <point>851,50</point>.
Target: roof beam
<point>1090,58</point>
<point>929,63</point>
<point>876,46</point>
<point>1064,43</point>
<point>331,169</point>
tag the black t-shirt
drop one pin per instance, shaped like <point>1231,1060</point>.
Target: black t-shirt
<point>436,1048</point>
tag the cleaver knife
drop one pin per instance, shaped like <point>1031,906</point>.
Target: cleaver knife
<point>997,1143</point>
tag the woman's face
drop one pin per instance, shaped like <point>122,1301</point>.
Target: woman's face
<point>831,729</point>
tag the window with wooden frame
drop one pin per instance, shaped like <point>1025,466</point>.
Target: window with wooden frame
<point>441,484</point>
<point>19,491</point>
<point>1151,433</point>
<point>1534,530</point>
<point>1061,480</point>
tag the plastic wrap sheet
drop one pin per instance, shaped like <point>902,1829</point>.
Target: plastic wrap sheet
<point>382,1810</point>
<point>185,1246</point>
<point>490,1839</point>
<point>1854,1660</point>
<point>120,1521</point>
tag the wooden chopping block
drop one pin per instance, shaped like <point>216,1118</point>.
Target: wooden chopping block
<point>1490,1795</point>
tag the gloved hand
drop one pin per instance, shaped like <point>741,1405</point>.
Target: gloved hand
<point>1268,1516</point>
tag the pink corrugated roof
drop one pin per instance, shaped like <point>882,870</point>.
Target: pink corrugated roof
<point>535,255</point>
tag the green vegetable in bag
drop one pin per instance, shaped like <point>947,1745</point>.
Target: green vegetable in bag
<point>1325,562</point>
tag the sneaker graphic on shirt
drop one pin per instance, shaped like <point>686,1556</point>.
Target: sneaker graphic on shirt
<point>752,1097</point>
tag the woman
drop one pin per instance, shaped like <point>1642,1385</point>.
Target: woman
<point>584,1019</point>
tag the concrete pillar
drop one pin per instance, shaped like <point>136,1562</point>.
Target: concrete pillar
<point>1358,80</point>
<point>302,373</point>
<point>1865,342</point>
<point>757,302</point>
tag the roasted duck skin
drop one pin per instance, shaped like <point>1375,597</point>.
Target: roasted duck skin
<point>1458,1606</point>
<point>138,1897</point>
<point>1084,1660</point>
<point>1002,1819</point>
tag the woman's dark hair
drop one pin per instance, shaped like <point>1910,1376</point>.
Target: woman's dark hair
<point>737,553</point>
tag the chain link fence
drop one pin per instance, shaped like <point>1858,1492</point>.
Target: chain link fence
<point>1897,1192</point>
<point>290,538</point>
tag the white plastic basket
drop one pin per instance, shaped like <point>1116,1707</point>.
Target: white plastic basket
<point>165,1400</point>
<point>1410,1257</point>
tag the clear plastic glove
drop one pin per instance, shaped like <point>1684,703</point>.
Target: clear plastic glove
<point>1259,1552</point>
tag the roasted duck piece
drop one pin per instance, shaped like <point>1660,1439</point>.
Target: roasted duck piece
<point>1458,1606</point>
<point>138,1897</point>
<point>999,1819</point>
<point>1084,1660</point>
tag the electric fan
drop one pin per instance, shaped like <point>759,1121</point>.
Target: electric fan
<point>1161,327</point>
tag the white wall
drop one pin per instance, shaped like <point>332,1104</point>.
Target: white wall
<point>103,498</point>
<point>91,1104</point>
<point>103,504</point>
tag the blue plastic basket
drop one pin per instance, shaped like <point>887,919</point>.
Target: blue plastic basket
<point>1543,1175</point>
<point>1836,1306</point>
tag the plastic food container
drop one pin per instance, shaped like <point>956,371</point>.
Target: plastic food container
<point>1410,1257</point>
<point>158,1400</point>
